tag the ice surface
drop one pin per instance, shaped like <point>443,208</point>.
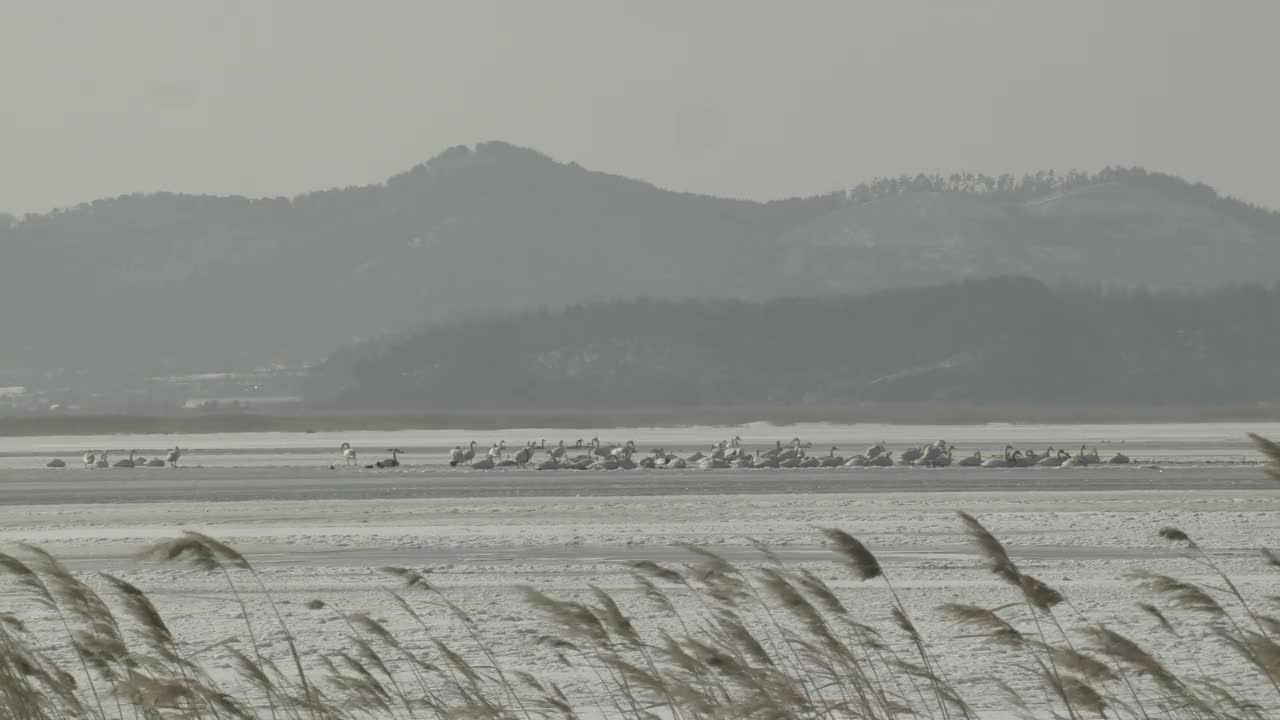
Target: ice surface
<point>319,533</point>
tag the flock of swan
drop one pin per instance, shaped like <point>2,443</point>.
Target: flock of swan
<point>594,455</point>
<point>98,459</point>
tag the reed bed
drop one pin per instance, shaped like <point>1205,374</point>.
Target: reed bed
<point>730,642</point>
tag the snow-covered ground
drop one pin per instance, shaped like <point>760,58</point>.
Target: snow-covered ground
<point>313,532</point>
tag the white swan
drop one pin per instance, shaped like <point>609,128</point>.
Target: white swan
<point>348,453</point>
<point>1036,459</point>
<point>942,459</point>
<point>524,456</point>
<point>857,461</point>
<point>935,456</point>
<point>1054,460</point>
<point>788,460</point>
<point>999,462</point>
<point>605,463</point>
<point>910,455</point>
<point>626,463</point>
<point>884,459</point>
<point>582,462</point>
<point>455,456</point>
<point>832,459</point>
<point>1077,460</point>
<point>735,448</point>
<point>601,450</point>
<point>89,458</point>
<point>792,453</point>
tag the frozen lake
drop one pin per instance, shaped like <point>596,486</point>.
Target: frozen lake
<point>316,532</point>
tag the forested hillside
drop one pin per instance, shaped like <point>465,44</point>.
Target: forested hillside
<point>995,340</point>
<point>171,283</point>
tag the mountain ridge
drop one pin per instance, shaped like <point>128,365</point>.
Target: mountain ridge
<point>171,282</point>
<point>960,182</point>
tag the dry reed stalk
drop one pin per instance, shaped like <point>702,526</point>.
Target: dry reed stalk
<point>1078,663</point>
<point>856,555</point>
<point>1270,450</point>
<point>765,551</point>
<point>1076,693</point>
<point>201,557</point>
<point>989,547</point>
<point>1154,612</point>
<point>1040,596</point>
<point>139,607</point>
<point>1270,557</point>
<point>573,619</point>
<point>231,557</point>
<point>658,572</point>
<point>865,566</point>
<point>1180,594</point>
<point>69,591</point>
<point>611,617</point>
<point>997,628</point>
<point>856,663</point>
<point>413,579</point>
<point>1037,595</point>
<point>1118,647</point>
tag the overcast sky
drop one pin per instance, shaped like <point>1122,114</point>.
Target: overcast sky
<point>745,98</point>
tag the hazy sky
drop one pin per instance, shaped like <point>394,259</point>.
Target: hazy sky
<point>746,98</point>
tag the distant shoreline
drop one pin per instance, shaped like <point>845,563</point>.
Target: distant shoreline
<point>901,414</point>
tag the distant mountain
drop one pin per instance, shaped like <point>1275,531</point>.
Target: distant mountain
<point>1000,340</point>
<point>172,283</point>
<point>1109,232</point>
